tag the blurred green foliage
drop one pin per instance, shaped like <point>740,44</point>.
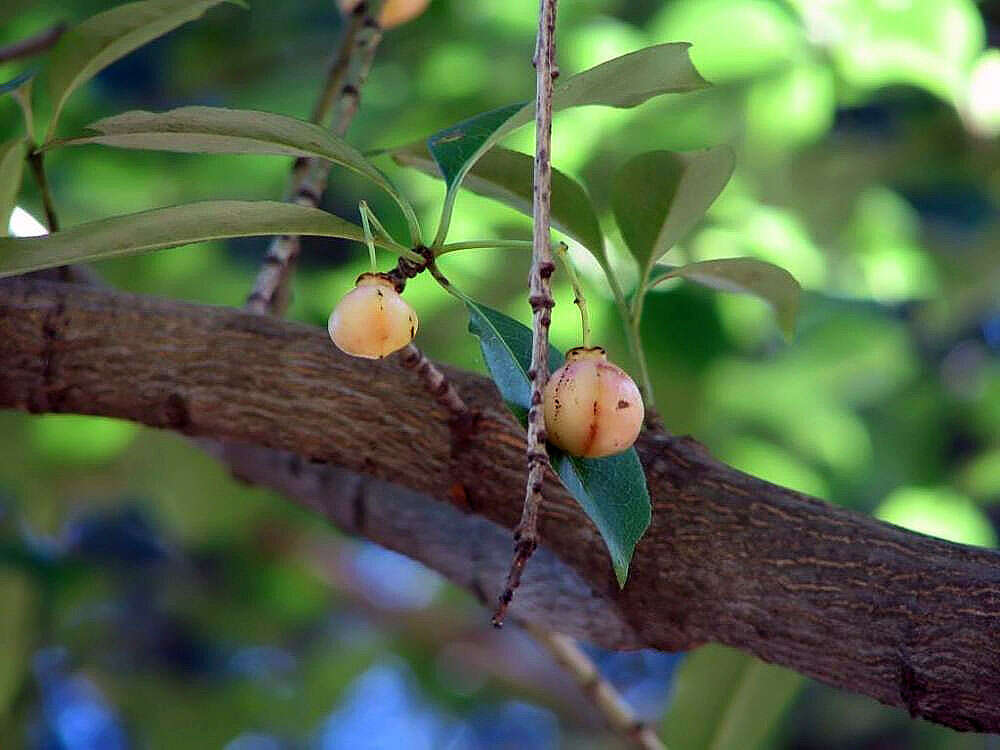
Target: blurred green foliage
<point>868,164</point>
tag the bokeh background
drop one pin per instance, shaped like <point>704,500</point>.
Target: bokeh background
<point>149,600</point>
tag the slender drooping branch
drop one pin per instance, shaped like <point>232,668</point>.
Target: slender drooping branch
<point>338,103</point>
<point>33,45</point>
<point>619,715</point>
<point>834,594</point>
<point>540,298</point>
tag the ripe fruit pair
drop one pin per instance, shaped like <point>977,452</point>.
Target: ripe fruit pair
<point>592,407</point>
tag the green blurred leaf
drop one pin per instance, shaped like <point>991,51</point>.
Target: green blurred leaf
<point>733,39</point>
<point>11,170</point>
<point>926,43</point>
<point>169,227</point>
<point>232,131</point>
<point>727,700</point>
<point>88,48</point>
<point>940,512</point>
<point>16,634</point>
<point>771,283</point>
<point>16,82</point>
<point>67,439</point>
<point>660,195</point>
<point>20,88</point>
<point>612,491</point>
<point>626,81</point>
<point>507,176</point>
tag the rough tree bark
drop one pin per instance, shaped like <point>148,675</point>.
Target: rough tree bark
<point>836,595</point>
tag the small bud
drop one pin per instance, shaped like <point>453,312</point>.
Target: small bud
<point>372,320</point>
<point>592,407</point>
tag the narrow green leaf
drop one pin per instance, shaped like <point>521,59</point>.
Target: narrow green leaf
<point>612,491</point>
<point>659,196</point>
<point>85,50</point>
<point>16,82</point>
<point>727,700</point>
<point>235,131</point>
<point>771,283</point>
<point>20,88</point>
<point>623,82</point>
<point>11,170</point>
<point>168,227</point>
<point>507,176</point>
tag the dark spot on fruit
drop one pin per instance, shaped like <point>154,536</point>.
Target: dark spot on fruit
<point>623,404</point>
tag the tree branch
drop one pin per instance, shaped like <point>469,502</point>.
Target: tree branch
<point>540,298</point>
<point>602,693</point>
<point>341,93</point>
<point>841,597</point>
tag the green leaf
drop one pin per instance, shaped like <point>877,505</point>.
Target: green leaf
<point>507,176</point>
<point>233,131</point>
<point>16,82</point>
<point>727,700</point>
<point>20,88</point>
<point>659,196</point>
<point>19,595</point>
<point>771,283</point>
<point>612,491</point>
<point>506,346</point>
<point>11,170</point>
<point>85,50</point>
<point>623,82</point>
<point>168,227</point>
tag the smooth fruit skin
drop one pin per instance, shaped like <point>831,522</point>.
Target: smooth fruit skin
<point>372,320</point>
<point>592,407</point>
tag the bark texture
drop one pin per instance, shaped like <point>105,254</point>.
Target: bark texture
<point>836,595</point>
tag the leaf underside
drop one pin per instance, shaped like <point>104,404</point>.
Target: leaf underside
<point>168,227</point>
<point>769,282</point>
<point>623,82</point>
<point>219,130</point>
<point>88,48</point>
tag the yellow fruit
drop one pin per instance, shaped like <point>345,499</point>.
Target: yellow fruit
<point>372,320</point>
<point>592,407</point>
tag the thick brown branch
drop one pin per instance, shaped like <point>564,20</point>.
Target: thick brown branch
<point>851,601</point>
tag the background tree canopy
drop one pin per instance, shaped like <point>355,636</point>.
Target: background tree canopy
<point>150,599</point>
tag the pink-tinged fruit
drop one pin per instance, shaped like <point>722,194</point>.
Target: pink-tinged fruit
<point>372,320</point>
<point>592,407</point>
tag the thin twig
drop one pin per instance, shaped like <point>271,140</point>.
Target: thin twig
<point>33,45</point>
<point>341,95</point>
<point>540,297</point>
<point>602,693</point>
<point>434,380</point>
